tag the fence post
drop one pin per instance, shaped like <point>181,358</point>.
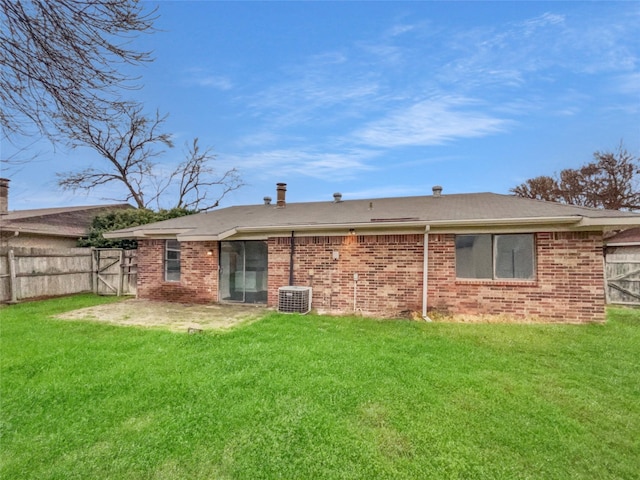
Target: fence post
<point>607,295</point>
<point>94,269</point>
<point>120,272</point>
<point>13,283</point>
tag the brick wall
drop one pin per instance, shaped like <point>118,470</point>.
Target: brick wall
<point>198,272</point>
<point>389,269</point>
<point>569,286</point>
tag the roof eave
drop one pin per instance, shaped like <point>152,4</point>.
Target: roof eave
<point>588,223</point>
<point>324,228</point>
<point>572,222</point>
<point>142,233</point>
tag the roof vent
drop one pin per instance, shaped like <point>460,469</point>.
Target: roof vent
<point>267,200</point>
<point>337,197</point>
<point>437,190</point>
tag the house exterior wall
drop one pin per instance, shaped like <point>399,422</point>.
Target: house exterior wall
<point>198,272</point>
<point>569,283</point>
<point>8,239</point>
<point>389,269</point>
<point>569,286</point>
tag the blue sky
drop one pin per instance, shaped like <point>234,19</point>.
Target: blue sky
<point>375,99</point>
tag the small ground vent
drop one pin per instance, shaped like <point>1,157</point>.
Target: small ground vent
<point>294,299</point>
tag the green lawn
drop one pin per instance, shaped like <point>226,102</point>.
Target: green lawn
<point>311,397</point>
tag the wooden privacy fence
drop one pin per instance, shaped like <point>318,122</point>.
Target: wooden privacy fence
<point>115,271</point>
<point>623,278</point>
<point>40,272</point>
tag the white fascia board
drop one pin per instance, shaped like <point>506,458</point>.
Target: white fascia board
<point>609,222</point>
<point>490,222</point>
<point>147,233</point>
<point>325,229</point>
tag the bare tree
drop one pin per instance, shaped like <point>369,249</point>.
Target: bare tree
<point>130,142</point>
<point>62,58</point>
<point>610,181</point>
<point>195,179</point>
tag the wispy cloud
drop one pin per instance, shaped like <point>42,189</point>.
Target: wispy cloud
<point>628,83</point>
<point>307,162</point>
<point>429,122</point>
<point>371,93</point>
<point>202,78</point>
<point>539,49</point>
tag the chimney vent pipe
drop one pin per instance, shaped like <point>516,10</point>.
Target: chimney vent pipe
<point>267,200</point>
<point>281,189</point>
<point>337,197</point>
<point>437,190</point>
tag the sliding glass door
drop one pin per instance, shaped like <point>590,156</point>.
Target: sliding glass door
<point>243,271</point>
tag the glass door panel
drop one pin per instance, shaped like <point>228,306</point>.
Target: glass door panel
<point>231,270</point>
<point>243,272</point>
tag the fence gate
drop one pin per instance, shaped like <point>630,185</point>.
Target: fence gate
<point>623,279</point>
<point>115,271</point>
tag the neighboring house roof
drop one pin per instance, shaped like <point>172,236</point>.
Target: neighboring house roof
<point>59,222</point>
<point>630,237</point>
<point>436,212</point>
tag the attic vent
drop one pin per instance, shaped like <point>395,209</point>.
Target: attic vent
<point>294,299</point>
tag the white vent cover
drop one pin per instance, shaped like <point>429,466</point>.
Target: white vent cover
<point>294,299</point>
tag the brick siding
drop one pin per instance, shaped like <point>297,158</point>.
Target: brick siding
<point>569,284</point>
<point>198,272</point>
<point>389,269</point>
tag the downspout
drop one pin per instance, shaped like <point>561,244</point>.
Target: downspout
<point>293,248</point>
<point>425,274</point>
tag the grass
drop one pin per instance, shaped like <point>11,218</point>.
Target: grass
<point>301,397</point>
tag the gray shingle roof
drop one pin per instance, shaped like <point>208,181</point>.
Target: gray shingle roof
<point>444,211</point>
<point>60,221</point>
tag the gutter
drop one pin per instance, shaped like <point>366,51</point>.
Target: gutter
<point>332,228</point>
<point>610,222</point>
<point>141,233</point>
<point>622,244</point>
<point>508,221</point>
<point>191,234</point>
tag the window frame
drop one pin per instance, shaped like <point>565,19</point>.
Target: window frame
<point>494,254</point>
<point>172,245</point>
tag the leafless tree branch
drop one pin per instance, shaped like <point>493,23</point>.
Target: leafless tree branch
<point>62,58</point>
<point>129,142</point>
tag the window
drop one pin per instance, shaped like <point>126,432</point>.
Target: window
<point>172,261</point>
<point>495,256</point>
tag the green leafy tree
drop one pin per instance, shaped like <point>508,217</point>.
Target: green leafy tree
<point>610,181</point>
<point>119,219</point>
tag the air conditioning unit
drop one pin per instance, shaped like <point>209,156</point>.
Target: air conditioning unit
<point>294,299</point>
